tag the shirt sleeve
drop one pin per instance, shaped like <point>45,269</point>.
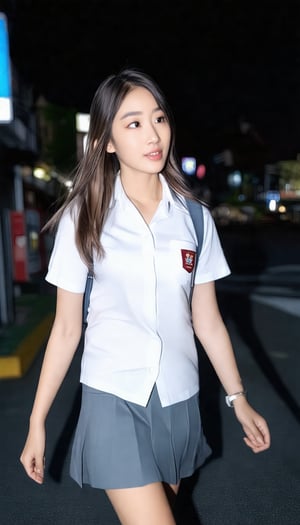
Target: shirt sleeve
<point>212,264</point>
<point>66,268</point>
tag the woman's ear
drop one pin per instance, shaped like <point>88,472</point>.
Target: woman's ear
<point>110,147</point>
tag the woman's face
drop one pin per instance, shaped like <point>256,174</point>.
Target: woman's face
<point>140,134</point>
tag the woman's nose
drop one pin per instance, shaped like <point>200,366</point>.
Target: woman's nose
<point>153,135</point>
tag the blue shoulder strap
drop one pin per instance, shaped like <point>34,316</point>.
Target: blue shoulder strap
<point>86,297</point>
<point>196,213</point>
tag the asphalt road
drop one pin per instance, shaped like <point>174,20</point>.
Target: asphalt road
<point>235,487</point>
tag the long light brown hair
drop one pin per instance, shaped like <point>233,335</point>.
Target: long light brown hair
<point>95,174</point>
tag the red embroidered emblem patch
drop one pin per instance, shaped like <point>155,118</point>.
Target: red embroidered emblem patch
<point>188,260</point>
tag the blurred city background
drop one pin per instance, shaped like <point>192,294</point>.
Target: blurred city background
<point>231,73</point>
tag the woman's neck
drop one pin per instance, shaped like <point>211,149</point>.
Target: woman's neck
<point>142,188</point>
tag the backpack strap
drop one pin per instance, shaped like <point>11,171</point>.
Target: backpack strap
<point>86,297</point>
<point>196,213</point>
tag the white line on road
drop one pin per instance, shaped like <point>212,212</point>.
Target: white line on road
<point>290,305</point>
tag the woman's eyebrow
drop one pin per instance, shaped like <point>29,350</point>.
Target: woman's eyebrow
<point>131,114</point>
<point>136,113</point>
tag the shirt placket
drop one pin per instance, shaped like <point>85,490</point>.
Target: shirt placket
<point>150,305</point>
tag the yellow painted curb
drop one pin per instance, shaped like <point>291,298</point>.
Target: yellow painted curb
<point>17,364</point>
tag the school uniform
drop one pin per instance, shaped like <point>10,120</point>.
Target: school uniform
<point>139,419</point>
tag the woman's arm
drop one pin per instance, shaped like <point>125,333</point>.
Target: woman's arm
<point>213,335</point>
<point>62,344</point>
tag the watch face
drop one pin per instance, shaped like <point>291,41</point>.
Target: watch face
<point>229,399</point>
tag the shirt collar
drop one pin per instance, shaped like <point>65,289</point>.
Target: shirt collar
<point>168,196</point>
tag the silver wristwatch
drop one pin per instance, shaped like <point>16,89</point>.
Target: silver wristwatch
<point>229,399</point>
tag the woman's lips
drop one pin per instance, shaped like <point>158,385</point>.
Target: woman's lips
<point>154,155</point>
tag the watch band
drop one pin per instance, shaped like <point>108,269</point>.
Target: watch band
<point>229,399</point>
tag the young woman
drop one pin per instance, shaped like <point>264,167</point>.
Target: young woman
<point>139,430</point>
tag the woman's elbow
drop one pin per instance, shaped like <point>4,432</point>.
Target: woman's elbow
<point>68,331</point>
<point>208,328</point>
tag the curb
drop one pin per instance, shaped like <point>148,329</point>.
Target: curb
<point>17,364</point>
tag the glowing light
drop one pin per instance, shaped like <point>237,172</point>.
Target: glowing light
<point>39,173</point>
<point>82,122</point>
<point>188,165</point>
<point>234,179</point>
<point>201,171</point>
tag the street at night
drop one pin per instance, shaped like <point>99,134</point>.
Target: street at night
<point>235,487</point>
<point>229,74</point>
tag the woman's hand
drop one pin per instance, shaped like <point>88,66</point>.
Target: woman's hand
<point>33,455</point>
<point>254,425</point>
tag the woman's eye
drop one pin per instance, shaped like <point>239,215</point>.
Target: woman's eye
<point>160,119</point>
<point>134,124</point>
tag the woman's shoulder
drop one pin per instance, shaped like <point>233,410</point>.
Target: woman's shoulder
<point>67,218</point>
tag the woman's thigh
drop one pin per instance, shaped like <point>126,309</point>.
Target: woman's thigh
<point>147,505</point>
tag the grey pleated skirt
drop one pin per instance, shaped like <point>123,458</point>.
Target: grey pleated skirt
<point>118,444</point>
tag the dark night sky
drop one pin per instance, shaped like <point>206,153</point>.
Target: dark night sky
<point>217,61</point>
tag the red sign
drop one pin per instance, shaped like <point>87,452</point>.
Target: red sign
<point>19,246</point>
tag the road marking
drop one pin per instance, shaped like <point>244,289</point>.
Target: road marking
<point>290,305</point>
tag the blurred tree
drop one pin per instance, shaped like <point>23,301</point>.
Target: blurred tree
<point>289,174</point>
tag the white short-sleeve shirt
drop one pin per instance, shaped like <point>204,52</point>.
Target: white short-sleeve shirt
<point>139,329</point>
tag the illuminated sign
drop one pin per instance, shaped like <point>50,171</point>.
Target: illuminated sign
<point>6,113</point>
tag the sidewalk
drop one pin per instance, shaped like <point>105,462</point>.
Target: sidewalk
<point>21,341</point>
